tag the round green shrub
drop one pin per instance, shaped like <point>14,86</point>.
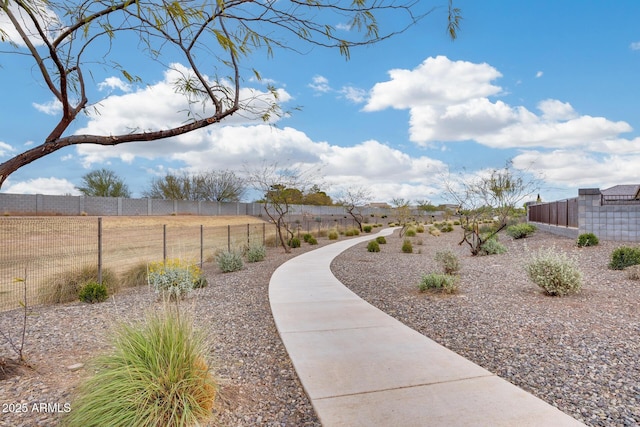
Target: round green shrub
<point>367,228</point>
<point>411,232</point>
<point>407,247</point>
<point>587,239</point>
<point>520,231</point>
<point>294,242</point>
<point>492,247</point>
<point>229,261</point>
<point>554,272</point>
<point>306,237</point>
<point>256,253</point>
<point>420,229</point>
<point>624,256</point>
<point>312,241</point>
<point>448,261</point>
<point>373,246</point>
<point>333,235</point>
<point>381,240</point>
<point>446,228</point>
<point>438,282</point>
<point>93,292</point>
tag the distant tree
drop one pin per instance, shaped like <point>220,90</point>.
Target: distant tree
<point>215,186</point>
<point>403,213</point>
<point>315,196</point>
<point>354,200</point>
<point>103,183</point>
<point>69,41</point>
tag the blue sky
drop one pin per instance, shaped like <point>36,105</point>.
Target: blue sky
<point>551,85</point>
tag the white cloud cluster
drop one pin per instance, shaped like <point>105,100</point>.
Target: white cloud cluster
<point>49,22</point>
<point>453,101</point>
<point>52,185</point>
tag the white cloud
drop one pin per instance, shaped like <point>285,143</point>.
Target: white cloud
<point>5,149</point>
<point>50,108</point>
<point>354,94</point>
<point>49,22</point>
<point>450,101</point>
<point>320,84</point>
<point>539,74</point>
<point>635,46</point>
<point>114,83</point>
<point>53,186</point>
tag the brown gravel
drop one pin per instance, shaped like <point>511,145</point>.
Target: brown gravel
<point>581,352</point>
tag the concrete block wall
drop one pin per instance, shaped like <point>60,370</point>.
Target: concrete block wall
<point>617,222</point>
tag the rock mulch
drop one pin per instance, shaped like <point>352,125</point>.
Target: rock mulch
<point>580,353</point>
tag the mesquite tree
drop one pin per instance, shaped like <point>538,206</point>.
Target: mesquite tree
<point>70,40</point>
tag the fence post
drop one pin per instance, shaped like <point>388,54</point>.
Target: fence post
<point>229,238</point>
<point>248,236</point>
<point>164,243</point>
<point>100,250</point>
<point>264,234</point>
<point>201,245</point>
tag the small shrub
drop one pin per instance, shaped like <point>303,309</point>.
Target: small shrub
<point>633,272</point>
<point>587,239</point>
<point>407,247</point>
<point>411,232</point>
<point>349,232</point>
<point>446,228</point>
<point>66,286</point>
<point>520,231</point>
<point>448,261</point>
<point>381,240</point>
<point>229,261</point>
<point>155,375</point>
<point>367,228</point>
<point>624,256</point>
<point>420,229</point>
<point>322,233</point>
<point>492,247</point>
<point>554,272</point>
<point>306,237</point>
<point>312,241</point>
<point>256,253</point>
<point>333,235</point>
<point>373,246</point>
<point>434,231</point>
<point>93,292</point>
<point>174,278</point>
<point>135,276</point>
<point>438,282</point>
<point>294,242</point>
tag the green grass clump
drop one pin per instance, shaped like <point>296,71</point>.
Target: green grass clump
<point>312,241</point>
<point>93,292</point>
<point>438,282</point>
<point>294,242</point>
<point>407,247</point>
<point>587,239</point>
<point>420,229</point>
<point>554,272</point>
<point>306,237</point>
<point>229,261</point>
<point>448,261</point>
<point>256,253</point>
<point>373,246</point>
<point>381,240</point>
<point>135,276</point>
<point>155,375</point>
<point>520,231</point>
<point>367,228</point>
<point>624,256</point>
<point>411,232</point>
<point>333,235</point>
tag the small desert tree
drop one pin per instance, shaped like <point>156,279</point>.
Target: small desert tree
<point>281,188</point>
<point>353,200</point>
<point>493,194</point>
<point>213,186</point>
<point>403,213</point>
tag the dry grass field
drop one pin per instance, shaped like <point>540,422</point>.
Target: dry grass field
<point>44,251</point>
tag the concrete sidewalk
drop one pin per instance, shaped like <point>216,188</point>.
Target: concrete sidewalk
<point>361,367</point>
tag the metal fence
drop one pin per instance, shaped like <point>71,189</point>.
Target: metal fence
<point>562,213</point>
<point>46,254</point>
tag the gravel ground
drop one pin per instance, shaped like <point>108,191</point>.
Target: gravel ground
<point>258,383</point>
<point>580,353</point>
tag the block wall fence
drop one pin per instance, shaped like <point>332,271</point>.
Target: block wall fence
<point>39,204</point>
<point>614,220</point>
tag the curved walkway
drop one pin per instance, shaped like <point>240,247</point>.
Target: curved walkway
<point>361,367</point>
